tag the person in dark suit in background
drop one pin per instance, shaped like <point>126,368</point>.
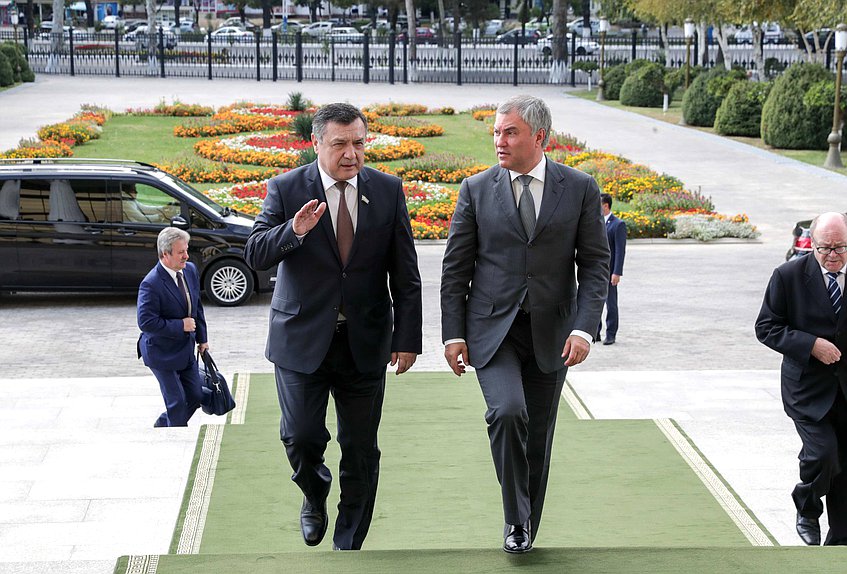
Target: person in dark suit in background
<point>524,233</point>
<point>616,234</point>
<point>802,317</point>
<point>172,322</point>
<point>347,301</point>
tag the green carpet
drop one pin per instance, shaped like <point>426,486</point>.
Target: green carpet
<point>785,560</point>
<point>612,483</point>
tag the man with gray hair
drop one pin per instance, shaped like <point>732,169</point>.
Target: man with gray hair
<point>802,318</point>
<point>172,322</point>
<point>524,234</point>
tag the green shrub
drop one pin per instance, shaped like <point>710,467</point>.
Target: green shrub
<point>7,76</point>
<point>14,57</point>
<point>675,78</point>
<point>301,126</point>
<point>702,99</point>
<point>644,88</point>
<point>635,65</point>
<point>740,113</point>
<point>787,122</point>
<point>613,79</point>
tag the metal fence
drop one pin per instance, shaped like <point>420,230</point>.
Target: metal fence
<point>381,58</point>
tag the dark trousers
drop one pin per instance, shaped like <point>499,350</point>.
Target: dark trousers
<point>611,313</point>
<point>358,399</point>
<point>522,406</point>
<point>822,459</point>
<point>182,392</point>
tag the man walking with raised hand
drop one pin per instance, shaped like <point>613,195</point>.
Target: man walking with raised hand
<point>347,301</point>
<point>524,233</point>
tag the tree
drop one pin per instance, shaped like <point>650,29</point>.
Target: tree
<point>411,34</point>
<point>812,15</point>
<point>756,12</point>
<point>89,14</point>
<point>57,36</point>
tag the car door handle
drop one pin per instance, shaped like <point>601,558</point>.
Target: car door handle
<point>127,232</point>
<point>92,230</point>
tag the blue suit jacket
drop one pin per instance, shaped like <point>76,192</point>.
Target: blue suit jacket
<point>379,287</point>
<point>616,234</point>
<point>161,308</point>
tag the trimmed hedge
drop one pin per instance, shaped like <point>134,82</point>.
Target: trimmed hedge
<point>16,58</point>
<point>787,121</point>
<point>645,88</point>
<point>740,113</point>
<point>7,75</point>
<point>703,98</point>
<point>613,79</point>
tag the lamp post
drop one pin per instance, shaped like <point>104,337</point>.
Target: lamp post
<point>833,158</point>
<point>14,17</point>
<point>689,35</point>
<point>604,27</point>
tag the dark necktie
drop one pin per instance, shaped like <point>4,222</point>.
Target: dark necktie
<point>834,292</point>
<point>343,224</point>
<point>526,207</point>
<point>182,288</point>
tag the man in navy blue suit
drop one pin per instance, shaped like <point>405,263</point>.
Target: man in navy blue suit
<point>347,301</point>
<point>172,322</point>
<point>616,234</point>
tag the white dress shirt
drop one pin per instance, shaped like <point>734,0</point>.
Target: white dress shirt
<point>839,280</point>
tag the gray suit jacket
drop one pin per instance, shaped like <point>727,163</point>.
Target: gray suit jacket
<point>489,264</point>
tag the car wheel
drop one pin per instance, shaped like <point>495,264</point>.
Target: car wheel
<point>546,51</point>
<point>228,283</point>
<point>580,51</point>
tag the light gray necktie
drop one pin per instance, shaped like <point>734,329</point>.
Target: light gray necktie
<point>526,207</point>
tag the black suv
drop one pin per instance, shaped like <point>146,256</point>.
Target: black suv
<point>91,225</point>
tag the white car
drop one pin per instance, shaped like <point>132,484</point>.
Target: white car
<point>317,29</point>
<point>771,34</point>
<point>112,22</point>
<point>232,34</point>
<point>139,36</point>
<point>578,26</point>
<point>583,45</point>
<point>341,34</point>
<point>236,22</point>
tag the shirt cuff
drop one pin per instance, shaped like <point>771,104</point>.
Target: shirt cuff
<point>451,341</point>
<point>583,335</point>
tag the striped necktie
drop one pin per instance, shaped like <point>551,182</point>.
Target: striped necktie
<point>834,291</point>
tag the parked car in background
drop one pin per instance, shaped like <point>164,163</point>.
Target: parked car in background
<point>515,35</point>
<point>187,27</point>
<point>46,31</point>
<point>345,34</point>
<point>582,46</point>
<point>493,27</point>
<point>236,22</point>
<point>91,225</point>
<point>801,244</point>
<point>292,27</point>
<point>232,35</point>
<point>824,35</point>
<point>139,36</point>
<point>423,35</point>
<point>317,29</point>
<point>577,26</point>
<point>771,34</point>
<point>112,22</point>
<point>130,25</point>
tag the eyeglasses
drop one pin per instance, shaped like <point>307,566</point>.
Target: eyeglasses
<point>840,249</point>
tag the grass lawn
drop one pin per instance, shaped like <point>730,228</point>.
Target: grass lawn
<point>150,139</point>
<point>674,115</point>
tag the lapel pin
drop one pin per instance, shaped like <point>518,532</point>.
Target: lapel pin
<point>365,199</point>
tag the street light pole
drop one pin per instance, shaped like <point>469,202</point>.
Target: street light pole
<point>833,158</point>
<point>689,34</point>
<point>604,27</point>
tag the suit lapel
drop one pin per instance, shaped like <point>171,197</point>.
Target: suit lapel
<point>817,290</point>
<point>553,188</point>
<point>170,287</point>
<point>316,191</point>
<point>363,217</point>
<point>506,198</point>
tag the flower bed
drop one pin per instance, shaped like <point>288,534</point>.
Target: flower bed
<point>234,120</point>
<point>403,127</point>
<point>30,148</point>
<point>176,109</point>
<point>246,197</point>
<point>437,168</point>
<point>72,132</point>
<point>198,173</point>
<point>396,109</point>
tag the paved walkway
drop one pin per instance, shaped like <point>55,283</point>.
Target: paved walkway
<point>84,479</point>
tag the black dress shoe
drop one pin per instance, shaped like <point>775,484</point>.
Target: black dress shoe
<point>609,341</point>
<point>809,530</point>
<point>518,539</point>
<point>313,521</point>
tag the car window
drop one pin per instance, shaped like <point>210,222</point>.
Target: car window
<point>76,201</point>
<point>200,221</point>
<point>142,203</point>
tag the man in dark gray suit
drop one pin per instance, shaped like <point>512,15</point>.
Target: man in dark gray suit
<point>347,301</point>
<point>524,234</point>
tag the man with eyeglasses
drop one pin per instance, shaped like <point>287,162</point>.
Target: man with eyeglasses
<point>803,318</point>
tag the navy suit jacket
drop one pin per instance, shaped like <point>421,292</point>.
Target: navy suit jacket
<point>379,287</point>
<point>796,310</point>
<point>616,234</point>
<point>163,344</point>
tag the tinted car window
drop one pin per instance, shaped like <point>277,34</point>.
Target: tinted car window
<point>35,199</point>
<point>142,203</point>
